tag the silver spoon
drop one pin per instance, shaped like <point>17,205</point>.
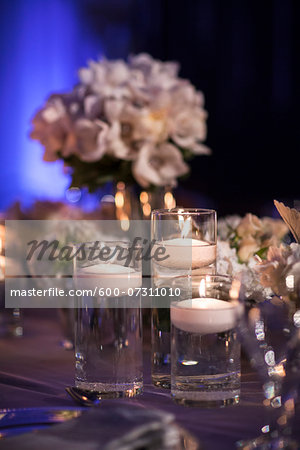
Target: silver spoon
<point>84,398</point>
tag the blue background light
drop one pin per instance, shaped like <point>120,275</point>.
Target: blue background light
<point>43,45</point>
<point>246,64</point>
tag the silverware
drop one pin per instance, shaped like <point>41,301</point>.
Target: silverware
<point>82,397</point>
<point>24,420</point>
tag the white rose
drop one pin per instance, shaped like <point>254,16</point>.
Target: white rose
<point>89,140</point>
<point>149,126</point>
<point>187,118</point>
<point>106,78</point>
<point>151,68</point>
<point>116,145</point>
<point>159,165</point>
<point>92,106</point>
<point>247,247</point>
<point>117,72</point>
<point>250,225</point>
<point>113,109</point>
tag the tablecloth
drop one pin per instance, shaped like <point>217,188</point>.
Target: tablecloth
<point>35,370</point>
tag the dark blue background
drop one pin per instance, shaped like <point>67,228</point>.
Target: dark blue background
<point>244,56</point>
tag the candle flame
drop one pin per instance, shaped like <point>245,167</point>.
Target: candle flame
<point>204,284</point>
<point>202,288</point>
<point>185,225</point>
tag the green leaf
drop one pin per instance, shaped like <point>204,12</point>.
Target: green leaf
<point>96,174</point>
<point>262,253</point>
<point>234,241</point>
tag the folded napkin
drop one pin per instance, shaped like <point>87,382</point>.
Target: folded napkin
<point>109,426</point>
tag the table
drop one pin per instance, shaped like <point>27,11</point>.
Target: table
<point>35,370</point>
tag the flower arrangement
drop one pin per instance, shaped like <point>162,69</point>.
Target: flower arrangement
<point>135,122</point>
<point>255,247</point>
<point>243,243</point>
<point>250,235</point>
<point>281,270</point>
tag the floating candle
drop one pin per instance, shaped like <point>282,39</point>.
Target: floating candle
<point>204,315</point>
<point>186,253</point>
<point>110,276</point>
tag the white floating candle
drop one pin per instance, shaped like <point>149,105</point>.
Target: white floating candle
<point>186,253</point>
<point>110,276</point>
<point>204,315</point>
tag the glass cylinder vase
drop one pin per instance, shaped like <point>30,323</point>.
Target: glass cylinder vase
<point>189,239</point>
<point>108,338</point>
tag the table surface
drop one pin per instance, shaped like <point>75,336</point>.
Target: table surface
<point>35,370</point>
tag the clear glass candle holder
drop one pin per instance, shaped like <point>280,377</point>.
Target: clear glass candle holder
<point>108,332</point>
<point>205,351</point>
<point>187,240</point>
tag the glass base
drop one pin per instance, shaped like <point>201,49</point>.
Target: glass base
<point>105,390</point>
<point>162,381</point>
<point>218,399</point>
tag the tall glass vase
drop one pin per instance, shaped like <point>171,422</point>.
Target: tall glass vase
<point>189,238</point>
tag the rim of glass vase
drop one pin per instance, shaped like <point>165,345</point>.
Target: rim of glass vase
<point>182,211</point>
<point>110,241</point>
<point>211,277</point>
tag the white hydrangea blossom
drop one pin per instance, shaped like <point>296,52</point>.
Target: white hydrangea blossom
<point>130,111</point>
